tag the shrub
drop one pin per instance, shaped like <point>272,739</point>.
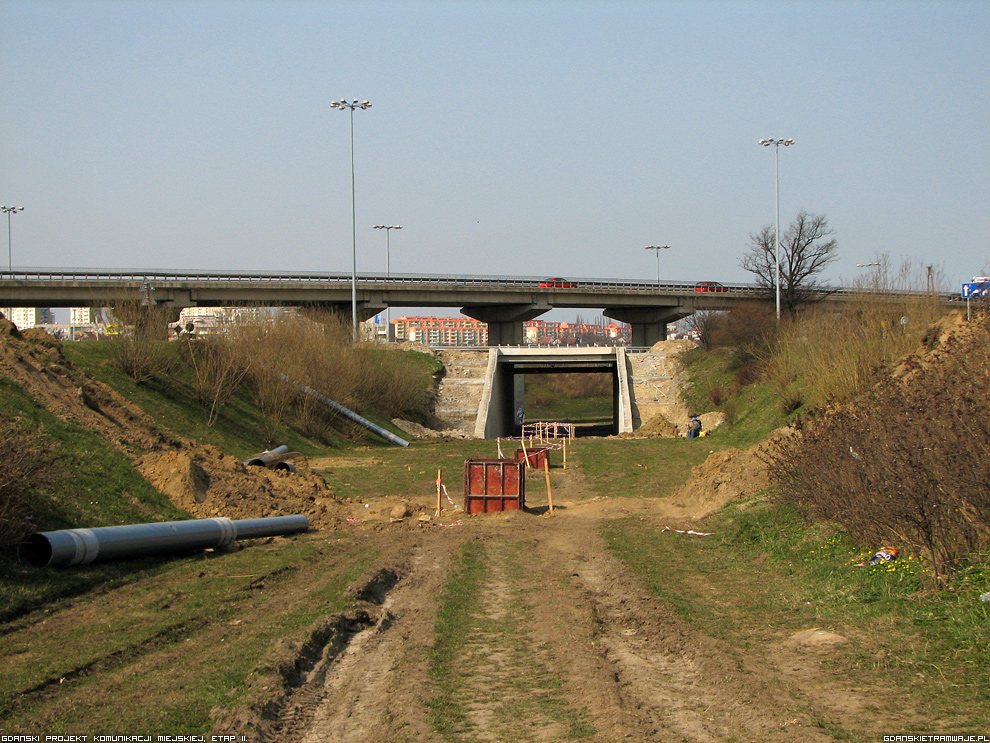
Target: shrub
<point>27,462</point>
<point>716,391</point>
<point>285,354</point>
<point>138,345</point>
<point>790,400</point>
<point>217,371</point>
<point>750,329</point>
<point>909,462</point>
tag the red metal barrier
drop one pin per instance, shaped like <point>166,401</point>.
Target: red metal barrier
<point>494,485</point>
<point>538,456</point>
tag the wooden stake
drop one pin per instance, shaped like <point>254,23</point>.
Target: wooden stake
<point>439,488</point>
<point>565,453</point>
<point>525,455</point>
<point>546,469</point>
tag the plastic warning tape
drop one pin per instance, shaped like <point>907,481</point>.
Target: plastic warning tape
<point>690,532</point>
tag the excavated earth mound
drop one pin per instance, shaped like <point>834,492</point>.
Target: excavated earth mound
<point>199,479</point>
<point>206,482</point>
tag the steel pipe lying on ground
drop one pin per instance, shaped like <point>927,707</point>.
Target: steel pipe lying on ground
<point>276,459</point>
<point>387,435</point>
<point>265,458</point>
<point>71,547</point>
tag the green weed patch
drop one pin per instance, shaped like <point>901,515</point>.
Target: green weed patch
<point>521,689</point>
<point>193,632</point>
<point>765,575</point>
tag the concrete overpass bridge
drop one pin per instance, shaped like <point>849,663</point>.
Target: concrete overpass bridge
<point>503,302</point>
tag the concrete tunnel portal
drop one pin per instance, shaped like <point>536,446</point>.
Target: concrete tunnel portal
<point>501,411</point>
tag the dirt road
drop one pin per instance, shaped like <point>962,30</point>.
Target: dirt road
<point>564,644</point>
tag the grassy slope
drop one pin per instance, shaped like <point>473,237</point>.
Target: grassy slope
<point>100,486</point>
<point>173,407</point>
<point>97,486</point>
<point>764,575</point>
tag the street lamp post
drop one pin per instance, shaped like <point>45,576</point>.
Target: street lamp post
<point>8,210</point>
<point>658,248</point>
<point>388,231</point>
<point>344,105</point>
<point>776,253</point>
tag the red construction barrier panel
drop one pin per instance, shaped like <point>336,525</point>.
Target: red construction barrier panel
<point>538,457</point>
<point>494,485</point>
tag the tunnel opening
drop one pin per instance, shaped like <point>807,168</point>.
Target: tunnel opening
<point>506,405</point>
<point>584,399</point>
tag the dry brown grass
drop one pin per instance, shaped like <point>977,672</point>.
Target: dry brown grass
<point>909,460</point>
<point>29,462</point>
<point>833,353</point>
<point>293,351</point>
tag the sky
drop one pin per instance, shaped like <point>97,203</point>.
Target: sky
<point>544,138</point>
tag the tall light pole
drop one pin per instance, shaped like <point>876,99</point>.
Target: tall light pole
<point>8,210</point>
<point>776,253</point>
<point>388,231</point>
<point>344,105</point>
<point>658,248</point>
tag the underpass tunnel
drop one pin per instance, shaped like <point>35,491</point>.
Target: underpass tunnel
<point>503,409</point>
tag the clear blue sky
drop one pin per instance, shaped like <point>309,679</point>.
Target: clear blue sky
<point>518,138</point>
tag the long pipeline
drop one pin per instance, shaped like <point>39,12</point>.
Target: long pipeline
<point>70,547</point>
<point>387,435</point>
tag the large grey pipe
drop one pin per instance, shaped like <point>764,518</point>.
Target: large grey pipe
<point>71,547</point>
<point>274,459</point>
<point>387,435</point>
<point>267,458</point>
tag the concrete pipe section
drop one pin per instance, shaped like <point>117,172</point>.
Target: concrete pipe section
<point>273,459</point>
<point>71,547</point>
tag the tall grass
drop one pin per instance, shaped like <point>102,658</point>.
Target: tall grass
<point>909,462</point>
<point>271,357</point>
<point>315,351</point>
<point>832,354</point>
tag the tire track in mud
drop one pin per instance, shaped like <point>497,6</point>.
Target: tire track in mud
<point>371,688</point>
<point>511,688</point>
<point>566,644</point>
<point>671,682</point>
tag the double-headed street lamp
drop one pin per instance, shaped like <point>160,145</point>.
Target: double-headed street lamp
<point>776,146</point>
<point>388,231</point>
<point>8,210</point>
<point>344,105</point>
<point>658,248</point>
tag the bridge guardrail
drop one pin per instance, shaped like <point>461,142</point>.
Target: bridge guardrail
<point>374,280</point>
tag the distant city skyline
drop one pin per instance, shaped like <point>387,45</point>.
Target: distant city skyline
<point>529,138</point>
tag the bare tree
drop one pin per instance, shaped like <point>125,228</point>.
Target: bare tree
<point>805,251</point>
<point>702,324</point>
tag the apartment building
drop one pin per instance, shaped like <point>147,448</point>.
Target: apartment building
<point>28,317</point>
<point>465,331</point>
<point>441,331</point>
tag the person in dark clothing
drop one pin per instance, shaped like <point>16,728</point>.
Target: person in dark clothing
<point>694,428</point>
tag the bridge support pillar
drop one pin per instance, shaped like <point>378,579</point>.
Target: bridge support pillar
<point>649,324</point>
<point>505,322</point>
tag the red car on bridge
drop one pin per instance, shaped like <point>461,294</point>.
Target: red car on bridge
<point>710,286</point>
<point>557,283</point>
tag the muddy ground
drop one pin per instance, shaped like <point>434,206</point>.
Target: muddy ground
<point>569,645</point>
<point>588,653</point>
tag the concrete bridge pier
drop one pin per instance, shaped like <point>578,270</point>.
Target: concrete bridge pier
<point>649,324</point>
<point>505,321</point>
